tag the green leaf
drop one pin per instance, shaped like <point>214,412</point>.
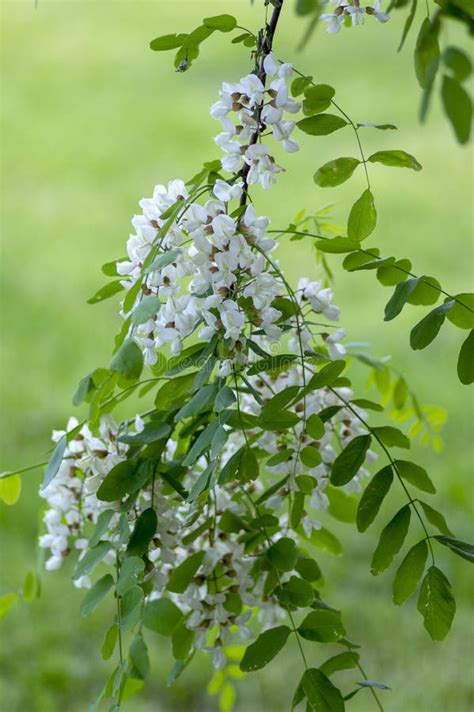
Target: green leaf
<point>323,626</point>
<point>172,394</point>
<point>458,62</point>
<point>128,361</point>
<point>310,456</point>
<point>391,274</point>
<point>380,127</point>
<point>396,158</point>
<point>224,399</point>
<point>428,328</point>
<point>10,489</point>
<point>131,607</point>
<point>326,375</point>
<point>342,661</point>
<point>108,290</point>
<point>321,694</point>
<point>110,640</point>
<point>317,99</point>
<point>222,23</point>
<point>139,657</point>
<point>6,602</point>
<point>314,426</point>
<point>281,420</point>
<point>272,364</point>
<point>124,478</point>
<point>348,463</point>
<point>458,108</point>
<point>409,573</point>
<point>362,218</point>
<point>183,574</point>
<point>400,297</point>
<point>182,640</point>
<point>166,42</point>
<point>248,469</point>
<point>461,548</point>
<point>103,521</point>
<point>372,498</point>
<point>426,292</point>
<point>143,532</point>
<point>95,595</point>
<point>55,462</point>
<point>321,124</point>
<point>341,506</point>
<point>296,592</point>
<point>416,475</point>
<point>163,260</point>
<point>146,309</point>
<point>201,444</point>
<point>198,403</point>
<point>462,316</point>
<point>466,361</point>
<point>90,560</point>
<point>279,401</point>
<point>130,572</point>
<point>391,437</point>
<point>86,384</point>
<point>151,432</point>
<point>435,518</point>
<point>436,603</point>
<point>391,540</point>
<point>338,245</point>
<point>408,24</point>
<point>283,554</point>
<point>308,569</point>
<point>427,52</point>
<point>265,648</point>
<point>335,172</point>
<point>162,616</point>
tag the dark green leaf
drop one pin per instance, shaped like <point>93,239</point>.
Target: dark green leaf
<point>335,172</point>
<point>95,595</point>
<point>428,328</point>
<point>130,573</point>
<point>323,626</point>
<point>396,158</point>
<point>321,124</point>
<point>342,661</point>
<point>391,540</point>
<point>435,518</point>
<point>110,639</point>
<point>183,574</point>
<point>265,648</point>
<point>326,375</point>
<point>341,506</point>
<point>458,108</point>
<point>248,466</point>
<point>124,478</point>
<point>201,444</point>
<point>128,361</point>
<point>362,218</point>
<point>436,603</point>
<point>408,24</point>
<point>321,694</point>
<point>458,62</point>
<point>131,607</point>
<point>426,292</point>
<point>399,298</point>
<point>315,427</point>
<point>172,394</point>
<point>162,616</point>
<point>151,432</point>
<point>373,497</point>
<point>139,657</point>
<point>106,291</point>
<point>427,52</point>
<point>466,361</point>
<point>409,573</point>
<point>310,456</point>
<point>416,475</point>
<point>163,260</point>
<point>91,558</point>
<point>283,554</point>
<point>296,592</point>
<point>55,462</point>
<point>461,548</point>
<point>350,460</point>
<point>391,437</point>
<point>143,532</point>
<point>273,363</point>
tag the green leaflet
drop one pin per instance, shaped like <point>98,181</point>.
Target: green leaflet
<point>409,573</point>
<point>391,540</point>
<point>348,463</point>
<point>183,574</point>
<point>362,218</point>
<point>95,595</point>
<point>322,625</point>
<point>321,124</point>
<point>335,172</point>
<point>416,475</point>
<point>265,648</point>
<point>436,603</point>
<point>321,694</point>
<point>373,496</point>
<point>398,159</point>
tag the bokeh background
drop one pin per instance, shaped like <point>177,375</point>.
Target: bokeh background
<point>92,119</point>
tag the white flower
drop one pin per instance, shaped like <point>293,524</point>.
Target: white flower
<point>271,65</point>
<point>334,20</point>
<point>357,14</point>
<point>226,192</point>
<point>377,12</point>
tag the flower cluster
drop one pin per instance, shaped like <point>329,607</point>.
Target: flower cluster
<point>353,10</point>
<point>247,110</point>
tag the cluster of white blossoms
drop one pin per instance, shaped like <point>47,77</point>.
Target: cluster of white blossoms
<point>247,110</point>
<point>353,10</point>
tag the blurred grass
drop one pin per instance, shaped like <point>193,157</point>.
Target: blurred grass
<point>91,121</point>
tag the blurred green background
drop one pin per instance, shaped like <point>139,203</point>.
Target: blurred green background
<point>92,119</point>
